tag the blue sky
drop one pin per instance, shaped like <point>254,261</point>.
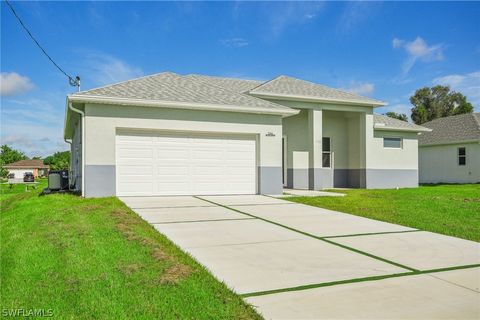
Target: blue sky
<point>384,50</point>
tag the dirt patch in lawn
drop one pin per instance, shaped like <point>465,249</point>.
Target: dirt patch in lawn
<point>127,222</point>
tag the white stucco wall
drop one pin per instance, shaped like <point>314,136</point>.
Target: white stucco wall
<point>102,122</point>
<point>439,164</point>
<point>392,158</point>
<point>296,129</point>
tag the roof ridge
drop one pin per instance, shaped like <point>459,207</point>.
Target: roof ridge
<point>244,94</point>
<point>268,81</point>
<point>129,80</point>
<point>332,88</point>
<point>477,119</point>
<point>319,85</point>
<point>219,77</point>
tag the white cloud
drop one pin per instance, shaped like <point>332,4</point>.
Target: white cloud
<point>416,50</point>
<point>467,84</point>
<point>33,146</point>
<point>33,126</point>
<point>362,88</point>
<point>397,43</point>
<point>234,42</point>
<point>355,13</point>
<point>282,15</point>
<point>11,83</point>
<point>102,69</point>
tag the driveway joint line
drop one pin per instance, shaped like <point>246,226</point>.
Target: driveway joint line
<point>172,207</point>
<point>259,204</point>
<point>194,221</point>
<point>315,237</point>
<point>369,234</point>
<point>453,283</point>
<point>244,243</point>
<point>365,279</point>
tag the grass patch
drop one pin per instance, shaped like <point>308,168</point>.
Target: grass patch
<point>6,191</point>
<point>447,209</point>
<point>95,258</point>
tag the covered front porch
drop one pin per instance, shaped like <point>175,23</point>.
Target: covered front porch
<point>323,148</point>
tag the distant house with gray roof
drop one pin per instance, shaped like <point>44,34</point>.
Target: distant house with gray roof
<point>171,134</point>
<point>450,153</point>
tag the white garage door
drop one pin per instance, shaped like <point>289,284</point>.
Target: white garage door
<point>150,164</point>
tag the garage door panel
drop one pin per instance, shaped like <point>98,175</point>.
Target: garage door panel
<point>169,170</point>
<point>170,153</point>
<point>138,139</point>
<point>135,188</point>
<point>207,170</point>
<point>185,165</point>
<point>134,153</point>
<point>179,188</point>
<point>134,170</point>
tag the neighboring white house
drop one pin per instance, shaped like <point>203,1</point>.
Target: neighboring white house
<point>168,134</point>
<point>19,168</point>
<point>451,152</point>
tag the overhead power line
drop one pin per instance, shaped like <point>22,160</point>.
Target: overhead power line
<point>73,81</point>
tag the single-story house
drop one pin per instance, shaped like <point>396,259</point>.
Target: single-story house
<point>450,153</point>
<point>19,168</point>
<point>168,134</point>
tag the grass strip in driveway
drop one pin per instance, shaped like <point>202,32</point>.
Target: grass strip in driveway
<point>365,279</point>
<point>211,220</point>
<point>313,236</point>
<point>368,234</point>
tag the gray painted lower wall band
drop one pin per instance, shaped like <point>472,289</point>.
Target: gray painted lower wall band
<point>99,181</point>
<point>320,178</point>
<point>300,178</point>
<point>349,178</point>
<point>270,180</point>
<point>391,178</point>
<point>290,178</point>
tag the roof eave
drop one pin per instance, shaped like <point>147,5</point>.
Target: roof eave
<point>387,128</point>
<point>178,105</point>
<point>268,95</point>
<point>448,143</point>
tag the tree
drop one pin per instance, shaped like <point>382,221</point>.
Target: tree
<point>437,102</point>
<point>9,155</point>
<point>399,116</point>
<point>58,161</point>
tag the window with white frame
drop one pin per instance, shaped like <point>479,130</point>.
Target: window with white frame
<point>462,156</point>
<point>395,143</point>
<point>326,153</point>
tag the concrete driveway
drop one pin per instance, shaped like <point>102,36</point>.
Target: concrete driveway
<point>293,261</point>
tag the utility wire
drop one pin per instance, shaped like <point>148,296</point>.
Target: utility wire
<point>73,81</point>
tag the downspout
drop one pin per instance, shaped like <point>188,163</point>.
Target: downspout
<point>82,116</point>
<point>69,141</point>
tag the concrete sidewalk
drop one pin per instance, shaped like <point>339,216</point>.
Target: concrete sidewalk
<point>294,261</point>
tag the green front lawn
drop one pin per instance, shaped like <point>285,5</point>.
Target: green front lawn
<point>6,191</point>
<point>96,259</point>
<point>448,209</point>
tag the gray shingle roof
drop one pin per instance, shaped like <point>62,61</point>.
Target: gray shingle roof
<point>171,87</point>
<point>287,86</point>
<point>461,128</point>
<point>388,123</point>
<point>232,84</point>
